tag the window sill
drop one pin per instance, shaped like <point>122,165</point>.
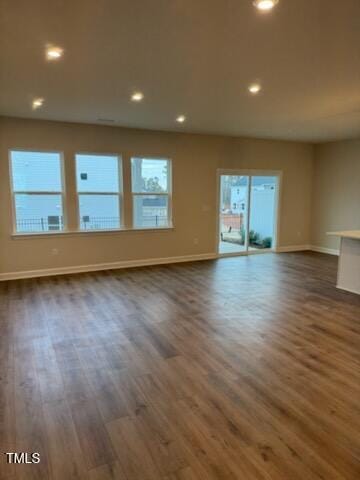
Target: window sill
<point>70,233</point>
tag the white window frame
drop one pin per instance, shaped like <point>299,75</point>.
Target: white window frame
<point>120,193</point>
<point>35,192</point>
<point>277,207</point>
<point>160,194</point>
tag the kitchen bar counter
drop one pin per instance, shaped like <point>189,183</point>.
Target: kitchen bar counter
<point>349,260</point>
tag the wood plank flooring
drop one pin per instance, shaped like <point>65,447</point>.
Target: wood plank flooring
<point>243,368</point>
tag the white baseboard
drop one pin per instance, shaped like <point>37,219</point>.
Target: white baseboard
<point>348,290</point>
<point>313,248</point>
<point>293,248</point>
<point>143,263</point>
<point>329,251</point>
<point>105,266</point>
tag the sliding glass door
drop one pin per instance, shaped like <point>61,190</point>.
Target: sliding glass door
<point>248,213</point>
<point>262,219</point>
<point>234,194</point>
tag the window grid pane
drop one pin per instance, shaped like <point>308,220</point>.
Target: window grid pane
<point>97,173</point>
<point>36,171</point>
<point>99,212</point>
<point>150,175</point>
<point>38,213</point>
<point>151,211</point>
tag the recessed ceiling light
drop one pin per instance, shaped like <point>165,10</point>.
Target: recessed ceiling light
<point>37,103</point>
<point>265,5</point>
<point>54,53</point>
<point>254,88</point>
<point>181,119</point>
<point>137,96</point>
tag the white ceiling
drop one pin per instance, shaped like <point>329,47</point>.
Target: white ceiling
<point>195,57</point>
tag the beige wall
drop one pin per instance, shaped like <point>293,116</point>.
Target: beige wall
<point>336,191</point>
<point>196,159</point>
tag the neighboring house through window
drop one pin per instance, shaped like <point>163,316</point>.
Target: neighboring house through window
<point>38,192</point>
<point>151,190</point>
<point>99,187</point>
<point>37,186</point>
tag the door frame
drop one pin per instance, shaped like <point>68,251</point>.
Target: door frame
<point>277,213</point>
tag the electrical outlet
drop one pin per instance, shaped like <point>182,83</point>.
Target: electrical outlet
<point>55,251</point>
<point>196,241</point>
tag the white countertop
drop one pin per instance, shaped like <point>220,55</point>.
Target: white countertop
<point>347,234</point>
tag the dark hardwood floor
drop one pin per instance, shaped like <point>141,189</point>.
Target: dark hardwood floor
<point>243,368</point>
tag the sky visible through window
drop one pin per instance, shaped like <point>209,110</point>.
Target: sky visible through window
<point>156,169</point>
<point>36,171</point>
<point>97,173</point>
<point>98,180</point>
<point>149,175</point>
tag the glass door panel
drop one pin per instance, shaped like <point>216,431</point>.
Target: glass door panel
<point>233,215</point>
<point>262,221</point>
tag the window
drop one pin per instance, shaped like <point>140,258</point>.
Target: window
<point>151,188</point>
<point>99,190</point>
<point>37,190</point>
